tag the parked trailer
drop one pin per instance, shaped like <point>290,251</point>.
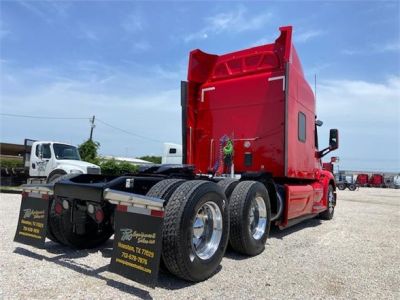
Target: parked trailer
<point>251,159</point>
<point>362,180</point>
<point>377,180</point>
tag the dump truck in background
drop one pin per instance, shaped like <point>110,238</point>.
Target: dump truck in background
<point>45,161</point>
<point>251,159</point>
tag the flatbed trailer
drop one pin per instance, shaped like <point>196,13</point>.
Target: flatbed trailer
<point>251,159</point>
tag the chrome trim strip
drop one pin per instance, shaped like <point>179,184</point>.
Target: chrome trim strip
<point>131,199</point>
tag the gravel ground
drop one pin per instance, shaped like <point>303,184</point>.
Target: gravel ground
<point>355,255</point>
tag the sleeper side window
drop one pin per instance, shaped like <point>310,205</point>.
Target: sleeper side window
<point>302,127</point>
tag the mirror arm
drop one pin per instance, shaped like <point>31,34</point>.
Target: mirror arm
<point>324,152</point>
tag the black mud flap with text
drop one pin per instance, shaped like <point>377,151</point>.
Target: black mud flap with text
<point>32,221</point>
<point>137,244</point>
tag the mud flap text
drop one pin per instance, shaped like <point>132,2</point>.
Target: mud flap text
<point>137,246</point>
<point>32,222</point>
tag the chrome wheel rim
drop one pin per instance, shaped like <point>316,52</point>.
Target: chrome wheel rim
<point>257,217</point>
<point>331,199</point>
<point>206,231</point>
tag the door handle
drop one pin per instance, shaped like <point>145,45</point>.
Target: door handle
<point>33,166</point>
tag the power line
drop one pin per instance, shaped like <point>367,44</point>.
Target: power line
<point>128,132</point>
<point>81,118</point>
<point>43,117</point>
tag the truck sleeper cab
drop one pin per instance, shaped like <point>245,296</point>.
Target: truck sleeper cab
<point>250,159</point>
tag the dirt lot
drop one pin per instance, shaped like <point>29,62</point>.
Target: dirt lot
<point>356,255</point>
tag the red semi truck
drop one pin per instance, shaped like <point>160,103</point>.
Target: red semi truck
<point>251,159</point>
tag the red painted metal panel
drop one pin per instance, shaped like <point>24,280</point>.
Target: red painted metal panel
<point>253,97</point>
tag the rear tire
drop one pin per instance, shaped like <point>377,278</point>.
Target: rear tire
<point>95,234</point>
<point>227,186</point>
<point>53,232</point>
<point>352,187</point>
<point>165,188</point>
<point>250,215</point>
<point>195,231</point>
<point>341,186</point>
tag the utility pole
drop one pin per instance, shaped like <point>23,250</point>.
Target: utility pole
<point>92,126</point>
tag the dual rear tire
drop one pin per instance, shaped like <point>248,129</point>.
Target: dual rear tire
<point>250,214</point>
<point>197,226</point>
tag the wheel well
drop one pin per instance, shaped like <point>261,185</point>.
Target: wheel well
<point>56,171</point>
<point>272,196</point>
<point>332,183</point>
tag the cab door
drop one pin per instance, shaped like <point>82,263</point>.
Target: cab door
<point>40,160</point>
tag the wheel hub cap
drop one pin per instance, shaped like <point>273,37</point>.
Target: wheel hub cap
<point>257,217</point>
<point>331,199</point>
<point>206,231</point>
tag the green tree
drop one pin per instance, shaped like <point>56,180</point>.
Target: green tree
<point>113,167</point>
<point>88,151</point>
<point>153,159</point>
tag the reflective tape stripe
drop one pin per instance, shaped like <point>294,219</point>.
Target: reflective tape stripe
<point>205,90</point>
<point>278,78</point>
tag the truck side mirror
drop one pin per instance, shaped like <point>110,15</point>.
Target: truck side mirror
<point>333,139</point>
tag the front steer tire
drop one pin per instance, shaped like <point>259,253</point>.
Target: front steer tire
<point>242,238</point>
<point>328,214</point>
<point>178,252</point>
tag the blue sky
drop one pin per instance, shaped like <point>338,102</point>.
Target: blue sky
<point>123,62</point>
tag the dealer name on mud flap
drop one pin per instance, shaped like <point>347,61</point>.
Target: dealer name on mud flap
<point>128,234</point>
<point>36,214</point>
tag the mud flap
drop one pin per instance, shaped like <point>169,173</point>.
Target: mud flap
<point>137,244</point>
<point>32,222</point>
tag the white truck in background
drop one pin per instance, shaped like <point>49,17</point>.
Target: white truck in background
<point>48,160</point>
<point>172,154</point>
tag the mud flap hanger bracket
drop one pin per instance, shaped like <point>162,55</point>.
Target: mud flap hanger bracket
<point>131,199</point>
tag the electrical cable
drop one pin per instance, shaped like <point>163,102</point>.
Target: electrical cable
<point>81,118</point>
<point>43,117</point>
<point>128,132</point>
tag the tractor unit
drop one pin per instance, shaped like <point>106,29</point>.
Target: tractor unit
<point>251,159</point>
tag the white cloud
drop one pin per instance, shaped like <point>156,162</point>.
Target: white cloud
<point>141,46</point>
<point>4,33</point>
<point>368,117</point>
<point>48,11</point>
<point>147,104</point>
<point>134,22</point>
<point>392,46</point>
<point>236,20</point>
<point>88,34</point>
<point>304,36</point>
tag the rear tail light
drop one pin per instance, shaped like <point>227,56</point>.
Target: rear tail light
<point>58,208</point>
<point>99,215</point>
